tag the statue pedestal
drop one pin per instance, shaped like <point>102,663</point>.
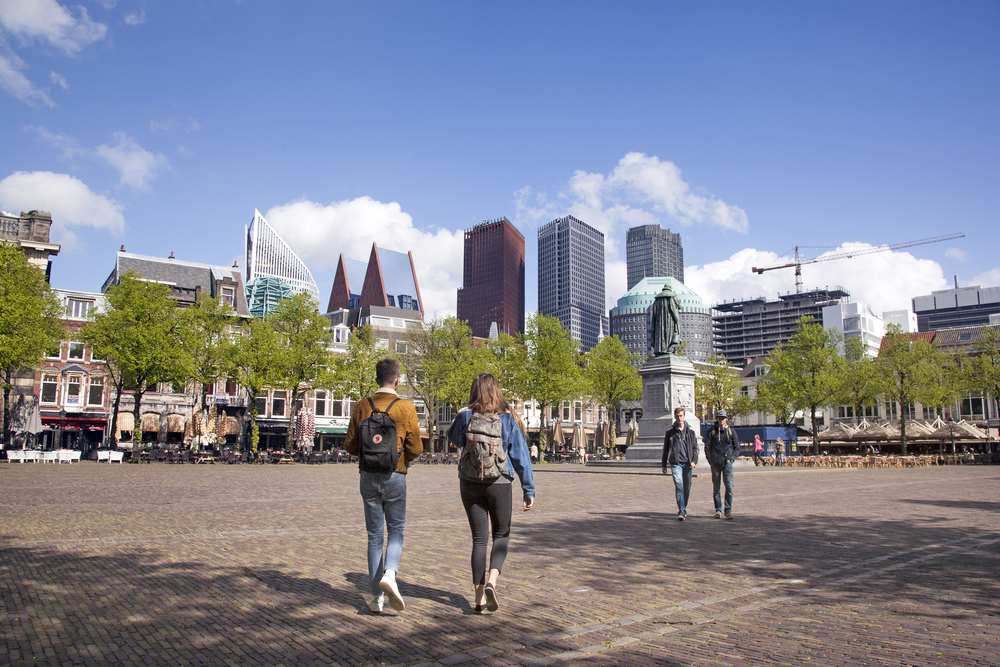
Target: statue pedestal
<point>667,383</point>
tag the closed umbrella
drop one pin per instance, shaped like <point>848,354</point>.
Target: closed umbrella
<point>579,438</point>
<point>633,433</point>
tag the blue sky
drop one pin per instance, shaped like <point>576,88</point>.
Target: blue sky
<point>748,127</point>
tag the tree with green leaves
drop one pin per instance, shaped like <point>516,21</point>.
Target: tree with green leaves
<point>910,371</point>
<point>507,360</point>
<point>858,380</point>
<point>773,396</point>
<point>717,385</point>
<point>29,321</point>
<point>253,362</point>
<point>553,373</point>
<point>610,376</point>
<point>304,357</point>
<point>440,363</point>
<point>980,369</point>
<point>207,342</point>
<point>807,365</point>
<point>140,337</point>
<point>353,374</point>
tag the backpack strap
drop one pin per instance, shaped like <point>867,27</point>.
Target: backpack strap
<point>387,408</point>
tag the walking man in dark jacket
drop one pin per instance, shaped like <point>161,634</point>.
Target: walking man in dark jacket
<point>721,449</point>
<point>680,452</point>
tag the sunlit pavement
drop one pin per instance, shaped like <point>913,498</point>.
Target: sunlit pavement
<point>265,565</point>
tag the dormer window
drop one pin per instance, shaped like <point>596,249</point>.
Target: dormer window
<point>226,295</point>
<point>79,308</point>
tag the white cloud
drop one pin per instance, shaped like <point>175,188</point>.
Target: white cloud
<point>59,80</point>
<point>18,85</point>
<point>136,165</point>
<point>319,234</point>
<point>70,201</point>
<point>69,146</point>
<point>956,254</point>
<point>189,125</point>
<point>135,18</point>
<point>48,21</point>
<point>989,278</point>
<point>884,280</point>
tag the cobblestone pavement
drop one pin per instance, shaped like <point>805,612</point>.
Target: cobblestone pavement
<point>265,565</point>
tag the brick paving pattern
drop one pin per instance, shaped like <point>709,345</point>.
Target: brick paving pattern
<point>265,565</point>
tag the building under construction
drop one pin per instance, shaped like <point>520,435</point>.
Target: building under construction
<point>743,330</point>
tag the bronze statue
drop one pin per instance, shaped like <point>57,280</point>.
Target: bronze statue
<point>666,322</point>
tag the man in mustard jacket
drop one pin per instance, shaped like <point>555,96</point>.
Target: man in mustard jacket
<point>384,493</point>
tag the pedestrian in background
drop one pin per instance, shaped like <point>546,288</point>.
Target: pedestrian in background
<point>779,452</point>
<point>758,451</point>
<point>491,438</point>
<point>722,447</point>
<point>680,453</point>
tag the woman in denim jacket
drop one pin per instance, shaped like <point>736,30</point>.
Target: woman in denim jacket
<point>488,502</point>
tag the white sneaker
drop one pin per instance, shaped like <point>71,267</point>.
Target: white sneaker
<point>376,604</point>
<point>388,586</point>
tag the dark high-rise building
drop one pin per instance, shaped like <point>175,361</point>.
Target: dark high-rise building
<point>493,278</point>
<point>571,278</point>
<point>653,252</point>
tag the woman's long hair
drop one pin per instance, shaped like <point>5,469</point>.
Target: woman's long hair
<point>485,397</point>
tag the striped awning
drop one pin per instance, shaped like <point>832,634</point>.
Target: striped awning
<point>126,421</point>
<point>232,426</point>
<point>150,422</point>
<point>175,423</point>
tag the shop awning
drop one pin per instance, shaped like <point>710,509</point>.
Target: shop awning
<point>331,430</point>
<point>150,422</point>
<point>175,423</point>
<point>126,421</point>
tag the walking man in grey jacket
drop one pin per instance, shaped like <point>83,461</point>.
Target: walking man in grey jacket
<point>680,453</point>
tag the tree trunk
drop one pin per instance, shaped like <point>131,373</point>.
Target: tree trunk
<point>902,432</point>
<point>254,429</point>
<point>136,409</point>
<point>114,412</point>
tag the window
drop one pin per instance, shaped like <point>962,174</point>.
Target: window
<point>261,403</point>
<point>76,351</point>
<point>338,408</point>
<point>340,335</point>
<point>565,412</point>
<point>278,404</point>
<point>95,393</point>
<point>54,353</point>
<point>231,387</point>
<point>383,344</point>
<point>400,347</point>
<point>226,295</point>
<point>79,309</point>
<point>49,385</point>
<point>320,408</point>
<point>578,411</point>
<point>177,387</point>
<point>421,410</point>
<point>73,390</point>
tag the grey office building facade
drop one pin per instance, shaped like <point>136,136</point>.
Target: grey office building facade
<point>653,252</point>
<point>571,278</point>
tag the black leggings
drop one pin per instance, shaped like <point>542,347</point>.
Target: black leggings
<point>487,504</point>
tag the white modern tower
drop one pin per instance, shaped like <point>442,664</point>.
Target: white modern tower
<point>268,256</point>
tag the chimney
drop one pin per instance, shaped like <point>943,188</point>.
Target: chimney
<point>956,282</point>
<point>123,248</point>
<point>171,255</point>
<point>235,264</point>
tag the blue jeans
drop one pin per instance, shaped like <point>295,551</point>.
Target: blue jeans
<point>723,473</point>
<point>682,484</point>
<point>384,495</point>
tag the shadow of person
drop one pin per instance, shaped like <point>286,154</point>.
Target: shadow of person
<point>408,589</point>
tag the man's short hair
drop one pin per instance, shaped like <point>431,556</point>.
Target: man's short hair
<point>678,411</point>
<point>386,372</point>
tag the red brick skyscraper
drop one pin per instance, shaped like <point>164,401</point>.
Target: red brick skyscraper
<point>493,278</point>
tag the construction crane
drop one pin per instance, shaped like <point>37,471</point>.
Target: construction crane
<point>847,255</point>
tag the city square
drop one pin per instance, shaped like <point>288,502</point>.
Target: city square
<point>264,565</point>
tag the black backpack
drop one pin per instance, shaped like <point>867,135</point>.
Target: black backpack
<point>379,445</point>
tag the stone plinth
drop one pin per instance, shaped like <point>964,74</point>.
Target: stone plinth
<point>667,383</point>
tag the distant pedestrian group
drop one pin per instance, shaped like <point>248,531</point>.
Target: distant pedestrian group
<point>384,434</point>
<point>680,456</point>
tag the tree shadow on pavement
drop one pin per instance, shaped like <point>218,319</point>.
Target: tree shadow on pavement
<point>979,505</point>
